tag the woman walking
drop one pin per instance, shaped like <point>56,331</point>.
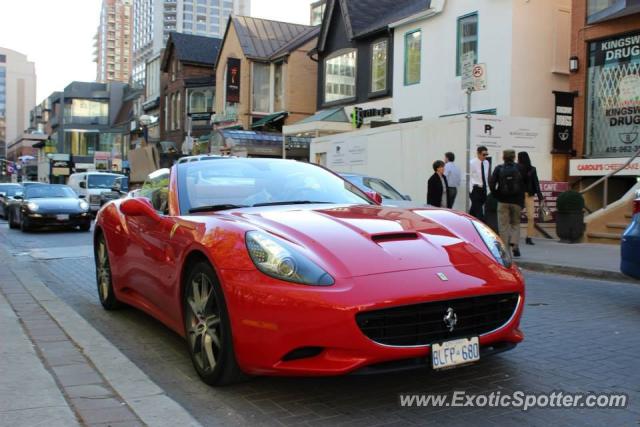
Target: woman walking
<point>437,185</point>
<point>532,188</point>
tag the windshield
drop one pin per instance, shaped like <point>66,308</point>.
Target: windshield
<point>42,191</point>
<point>124,183</point>
<point>10,190</point>
<point>101,181</point>
<point>251,182</point>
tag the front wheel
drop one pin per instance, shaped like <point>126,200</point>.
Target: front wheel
<point>103,276</point>
<point>12,222</point>
<point>24,225</point>
<point>208,329</point>
<point>85,227</point>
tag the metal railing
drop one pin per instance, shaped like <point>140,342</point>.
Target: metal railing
<point>605,179</point>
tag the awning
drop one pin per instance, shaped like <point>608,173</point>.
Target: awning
<point>324,122</point>
<point>270,119</point>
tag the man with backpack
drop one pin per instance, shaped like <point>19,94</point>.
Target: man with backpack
<point>508,185</point>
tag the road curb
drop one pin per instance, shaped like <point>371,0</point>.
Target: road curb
<point>568,270</point>
<point>144,397</point>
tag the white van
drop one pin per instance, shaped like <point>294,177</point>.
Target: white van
<point>90,185</point>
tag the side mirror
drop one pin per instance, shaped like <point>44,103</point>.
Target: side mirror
<point>18,197</point>
<point>82,196</point>
<point>139,207</point>
<point>82,184</point>
<point>407,197</point>
<point>3,194</point>
<point>374,196</point>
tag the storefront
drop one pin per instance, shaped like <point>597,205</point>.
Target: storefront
<point>613,97</point>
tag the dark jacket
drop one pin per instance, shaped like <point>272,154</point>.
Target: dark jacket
<point>494,185</point>
<point>434,191</point>
<point>532,182</point>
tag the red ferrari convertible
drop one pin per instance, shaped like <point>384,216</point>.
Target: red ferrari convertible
<point>276,267</point>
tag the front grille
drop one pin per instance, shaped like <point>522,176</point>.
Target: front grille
<point>423,324</point>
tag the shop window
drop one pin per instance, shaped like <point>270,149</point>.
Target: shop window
<point>613,97</point>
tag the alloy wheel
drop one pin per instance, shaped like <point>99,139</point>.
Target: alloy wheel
<point>103,276</point>
<point>204,331</point>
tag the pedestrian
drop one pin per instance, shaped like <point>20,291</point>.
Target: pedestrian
<point>452,173</point>
<point>478,182</point>
<point>532,189</point>
<point>437,187</point>
<point>508,186</point>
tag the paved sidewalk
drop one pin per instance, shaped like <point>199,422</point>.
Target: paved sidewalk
<point>57,370</point>
<point>592,260</point>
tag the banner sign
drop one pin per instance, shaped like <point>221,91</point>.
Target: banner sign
<point>601,167</point>
<point>233,80</point>
<point>60,167</point>
<point>563,123</point>
<point>550,190</point>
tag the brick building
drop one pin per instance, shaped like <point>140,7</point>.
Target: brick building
<point>187,87</point>
<point>605,75</point>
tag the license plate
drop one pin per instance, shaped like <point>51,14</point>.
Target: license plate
<point>62,217</point>
<point>454,353</point>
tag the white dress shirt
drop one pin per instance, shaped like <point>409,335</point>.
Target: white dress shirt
<point>475,168</point>
<point>452,172</point>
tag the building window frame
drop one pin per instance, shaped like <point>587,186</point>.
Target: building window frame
<point>407,35</point>
<point>272,94</point>
<point>334,55</point>
<point>459,41</point>
<point>385,89</point>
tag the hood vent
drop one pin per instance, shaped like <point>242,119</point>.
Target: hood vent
<point>390,237</point>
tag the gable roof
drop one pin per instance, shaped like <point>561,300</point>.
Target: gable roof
<point>193,49</point>
<point>364,17</point>
<point>262,38</point>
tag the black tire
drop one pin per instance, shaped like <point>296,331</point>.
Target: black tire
<point>12,223</point>
<point>85,227</point>
<point>207,328</point>
<point>24,226</point>
<point>106,295</point>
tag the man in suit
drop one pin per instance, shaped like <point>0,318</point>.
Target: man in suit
<point>437,186</point>
<point>479,182</point>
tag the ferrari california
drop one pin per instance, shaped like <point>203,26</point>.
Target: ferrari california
<point>277,267</point>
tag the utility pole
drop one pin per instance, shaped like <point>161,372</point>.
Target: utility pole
<point>467,180</point>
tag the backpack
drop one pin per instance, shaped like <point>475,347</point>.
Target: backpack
<point>510,180</point>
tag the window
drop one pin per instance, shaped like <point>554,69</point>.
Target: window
<point>467,39</point>
<point>278,88</point>
<point>260,87</point>
<point>178,116</point>
<point>379,66</point>
<point>340,76</point>
<point>166,113</point>
<point>412,46</point>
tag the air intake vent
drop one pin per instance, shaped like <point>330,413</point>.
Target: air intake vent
<point>388,237</point>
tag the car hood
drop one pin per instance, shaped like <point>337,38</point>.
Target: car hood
<point>370,239</point>
<point>57,204</point>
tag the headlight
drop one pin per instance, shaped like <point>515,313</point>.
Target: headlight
<point>279,259</point>
<point>493,242</point>
<point>33,207</point>
<point>84,205</point>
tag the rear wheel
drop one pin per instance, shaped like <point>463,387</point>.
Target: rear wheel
<point>208,329</point>
<point>103,276</point>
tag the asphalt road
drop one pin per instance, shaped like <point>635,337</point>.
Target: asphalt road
<point>581,336</point>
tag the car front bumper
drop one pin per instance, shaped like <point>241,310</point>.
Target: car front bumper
<point>54,220</point>
<point>272,320</point>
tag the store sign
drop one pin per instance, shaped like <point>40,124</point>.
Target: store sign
<point>550,190</point>
<point>613,97</point>
<point>517,133</point>
<point>359,114</point>
<point>601,167</point>
<point>101,160</point>
<point>233,80</point>
<point>60,167</point>
<point>563,123</point>
<point>344,154</point>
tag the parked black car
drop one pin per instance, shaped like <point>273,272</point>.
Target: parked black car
<point>49,205</point>
<point>7,191</point>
